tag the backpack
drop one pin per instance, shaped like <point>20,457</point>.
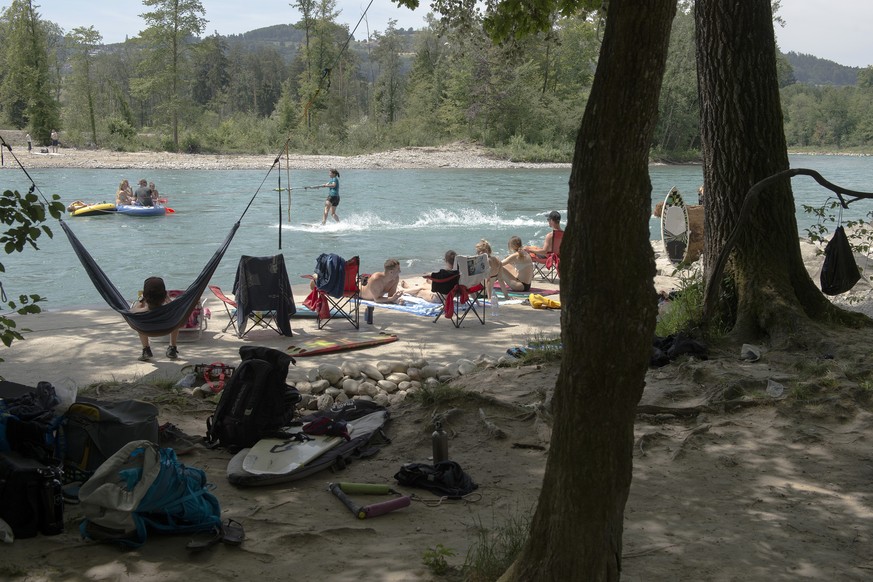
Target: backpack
<point>365,419</point>
<point>143,488</point>
<point>256,402</point>
<point>839,272</point>
<point>445,478</point>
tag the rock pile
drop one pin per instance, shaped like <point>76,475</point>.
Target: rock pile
<point>385,382</point>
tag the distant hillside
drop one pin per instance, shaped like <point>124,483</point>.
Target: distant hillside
<point>811,70</point>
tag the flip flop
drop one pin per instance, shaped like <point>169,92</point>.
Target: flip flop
<point>205,540</point>
<point>232,532</point>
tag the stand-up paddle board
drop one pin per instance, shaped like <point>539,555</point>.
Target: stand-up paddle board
<point>281,456</point>
<point>337,343</point>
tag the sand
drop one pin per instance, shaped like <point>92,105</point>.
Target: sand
<point>751,487</point>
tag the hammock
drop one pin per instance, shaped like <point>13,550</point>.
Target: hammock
<point>167,317</point>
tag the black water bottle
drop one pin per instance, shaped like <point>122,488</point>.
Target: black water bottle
<point>51,504</point>
<point>440,442</point>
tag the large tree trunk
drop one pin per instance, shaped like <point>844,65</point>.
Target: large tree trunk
<point>743,142</point>
<point>609,307</point>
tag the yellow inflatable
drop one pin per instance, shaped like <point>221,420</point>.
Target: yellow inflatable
<point>540,302</point>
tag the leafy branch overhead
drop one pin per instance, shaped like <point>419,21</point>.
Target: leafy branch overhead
<point>25,216</point>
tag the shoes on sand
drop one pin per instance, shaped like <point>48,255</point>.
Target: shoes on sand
<point>172,352</point>
<point>146,355</point>
<point>171,436</point>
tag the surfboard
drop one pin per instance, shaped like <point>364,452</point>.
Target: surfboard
<point>337,343</point>
<point>281,456</point>
<point>681,229</point>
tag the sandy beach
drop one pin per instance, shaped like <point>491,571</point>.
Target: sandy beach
<point>766,488</point>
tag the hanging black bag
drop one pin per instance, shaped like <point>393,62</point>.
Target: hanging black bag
<point>839,273</point>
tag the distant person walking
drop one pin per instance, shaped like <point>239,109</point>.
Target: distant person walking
<point>29,143</point>
<point>55,138</point>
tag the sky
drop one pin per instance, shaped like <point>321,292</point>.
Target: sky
<point>116,19</point>
<point>837,30</point>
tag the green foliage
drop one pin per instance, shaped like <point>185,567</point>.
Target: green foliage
<point>436,395</point>
<point>684,309</point>
<point>541,349</point>
<point>118,126</point>
<point>435,559</point>
<point>25,216</point>
<point>494,551</point>
<point>191,144</point>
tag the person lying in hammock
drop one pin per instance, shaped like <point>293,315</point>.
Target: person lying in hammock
<point>154,294</point>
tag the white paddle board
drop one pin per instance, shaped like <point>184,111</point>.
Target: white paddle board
<point>281,456</point>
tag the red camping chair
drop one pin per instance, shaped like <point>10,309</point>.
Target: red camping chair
<point>459,290</point>
<point>328,301</point>
<point>546,265</point>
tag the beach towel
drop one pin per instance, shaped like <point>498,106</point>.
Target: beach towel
<point>411,304</point>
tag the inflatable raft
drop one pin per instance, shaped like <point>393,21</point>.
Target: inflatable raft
<point>131,210</point>
<point>79,208</point>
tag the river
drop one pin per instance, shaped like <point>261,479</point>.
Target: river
<point>413,215</point>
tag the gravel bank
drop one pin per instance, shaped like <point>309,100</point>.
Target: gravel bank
<point>457,155</point>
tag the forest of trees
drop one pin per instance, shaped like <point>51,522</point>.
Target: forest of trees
<point>173,89</point>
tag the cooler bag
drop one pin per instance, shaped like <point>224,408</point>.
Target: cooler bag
<point>94,430</point>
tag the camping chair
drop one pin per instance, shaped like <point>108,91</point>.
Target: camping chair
<point>337,292</point>
<point>546,266</point>
<point>262,296</point>
<point>461,288</point>
<point>197,321</point>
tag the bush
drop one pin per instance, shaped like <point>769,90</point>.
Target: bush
<point>191,144</point>
<point>120,127</point>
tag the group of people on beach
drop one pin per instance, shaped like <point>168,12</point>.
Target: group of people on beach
<point>513,273</point>
<point>146,194</point>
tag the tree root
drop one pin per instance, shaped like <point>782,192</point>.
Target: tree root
<point>493,430</point>
<point>697,430</point>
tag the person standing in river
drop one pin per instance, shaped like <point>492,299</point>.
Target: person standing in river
<point>333,197</point>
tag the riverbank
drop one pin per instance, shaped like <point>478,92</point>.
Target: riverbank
<point>458,155</point>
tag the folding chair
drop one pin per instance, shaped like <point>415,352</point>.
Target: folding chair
<point>192,330</point>
<point>337,292</point>
<point>229,307</point>
<point>197,321</point>
<point>546,266</point>
<point>461,288</point>
<point>262,296</point>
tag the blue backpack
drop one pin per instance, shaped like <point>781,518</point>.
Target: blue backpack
<point>144,488</point>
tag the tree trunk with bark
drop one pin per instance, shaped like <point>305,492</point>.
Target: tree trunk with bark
<point>609,307</point>
<point>743,142</point>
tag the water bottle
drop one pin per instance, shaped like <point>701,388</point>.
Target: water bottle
<point>51,516</point>
<point>495,306</point>
<point>440,441</point>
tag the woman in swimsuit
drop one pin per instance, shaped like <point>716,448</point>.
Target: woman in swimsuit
<point>516,270</point>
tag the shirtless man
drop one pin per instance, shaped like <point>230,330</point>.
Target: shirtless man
<point>555,224</point>
<point>382,287</point>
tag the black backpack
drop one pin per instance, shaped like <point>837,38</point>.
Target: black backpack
<point>446,478</point>
<point>256,402</point>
